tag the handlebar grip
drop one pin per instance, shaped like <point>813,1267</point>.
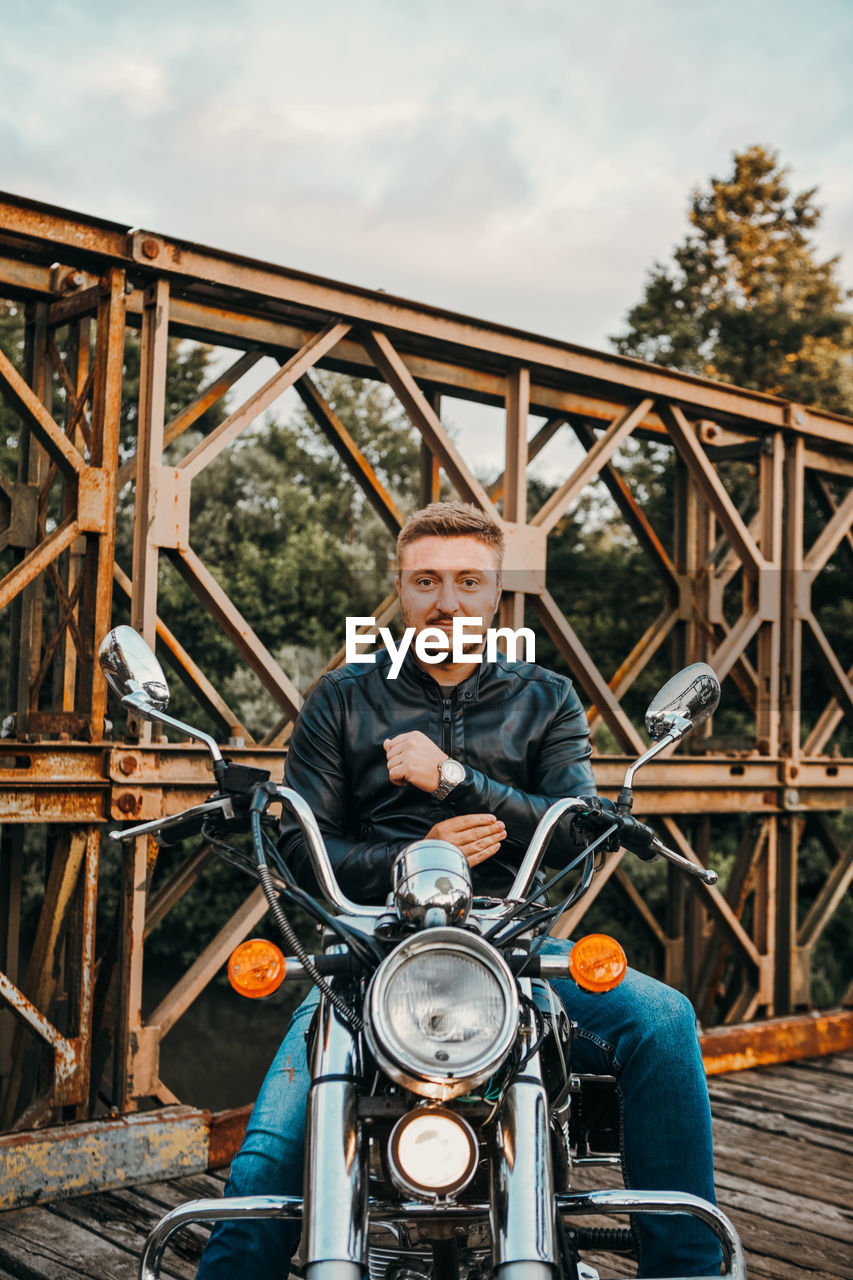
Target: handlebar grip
<point>637,838</point>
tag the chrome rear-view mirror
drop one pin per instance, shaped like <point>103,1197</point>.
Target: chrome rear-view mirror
<point>685,701</point>
<point>130,668</point>
<point>133,672</point>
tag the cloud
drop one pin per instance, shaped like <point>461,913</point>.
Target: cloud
<point>523,160</point>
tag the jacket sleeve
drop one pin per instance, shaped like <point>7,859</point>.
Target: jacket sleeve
<point>315,768</point>
<point>561,769</point>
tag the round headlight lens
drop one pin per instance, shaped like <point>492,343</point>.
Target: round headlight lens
<point>443,1009</point>
<point>442,1006</point>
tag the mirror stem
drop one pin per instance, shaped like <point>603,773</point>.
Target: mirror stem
<point>625,801</point>
<point>139,703</point>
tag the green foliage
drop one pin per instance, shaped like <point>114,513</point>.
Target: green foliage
<point>745,299</point>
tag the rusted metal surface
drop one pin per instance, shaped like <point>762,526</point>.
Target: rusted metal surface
<point>737,584</point>
<point>101,1155</point>
<point>757,1044</point>
<point>227,1129</point>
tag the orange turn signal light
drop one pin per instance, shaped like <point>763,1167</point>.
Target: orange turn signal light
<point>597,962</point>
<point>256,968</point>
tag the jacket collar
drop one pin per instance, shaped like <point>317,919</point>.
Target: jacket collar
<point>468,689</point>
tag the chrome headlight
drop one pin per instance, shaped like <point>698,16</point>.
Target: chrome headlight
<point>442,1012</point>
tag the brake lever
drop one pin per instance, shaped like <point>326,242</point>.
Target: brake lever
<point>221,805</point>
<point>705,874</point>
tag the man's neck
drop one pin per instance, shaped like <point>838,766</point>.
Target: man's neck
<point>449,675</point>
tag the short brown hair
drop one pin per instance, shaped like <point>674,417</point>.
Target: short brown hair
<point>451,520</point>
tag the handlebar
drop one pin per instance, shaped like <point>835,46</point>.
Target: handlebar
<point>536,849</point>
<point>321,863</point>
<point>635,836</point>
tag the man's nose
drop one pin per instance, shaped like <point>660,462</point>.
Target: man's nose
<point>448,600</point>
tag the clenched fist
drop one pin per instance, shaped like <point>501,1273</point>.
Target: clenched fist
<point>414,758</point>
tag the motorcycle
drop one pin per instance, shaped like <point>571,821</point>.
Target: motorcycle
<point>444,1122</point>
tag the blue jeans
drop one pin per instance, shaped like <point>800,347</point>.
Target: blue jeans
<point>642,1032</point>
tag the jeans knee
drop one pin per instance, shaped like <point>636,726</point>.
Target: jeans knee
<point>672,1023</point>
<point>275,1169</point>
<point>660,1022</point>
<point>676,1009</point>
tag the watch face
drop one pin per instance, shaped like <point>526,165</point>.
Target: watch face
<point>453,772</point>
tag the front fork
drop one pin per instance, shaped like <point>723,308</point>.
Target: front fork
<point>522,1183</point>
<point>334,1241</point>
<point>334,1228</point>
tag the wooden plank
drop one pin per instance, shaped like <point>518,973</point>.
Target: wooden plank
<point>787,1241</point>
<point>812,1084</point>
<point>743,1110</point>
<point>839,1064</point>
<point>33,1245</point>
<point>125,1219</point>
<point>831,1221</point>
<point>805,1102</point>
<point>165,1195</point>
<point>777,1162</point>
<point>761,1268</point>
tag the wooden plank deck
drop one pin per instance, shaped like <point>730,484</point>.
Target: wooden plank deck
<point>784,1151</point>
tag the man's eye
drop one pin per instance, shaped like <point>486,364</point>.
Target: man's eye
<point>470,582</point>
<point>423,582</point>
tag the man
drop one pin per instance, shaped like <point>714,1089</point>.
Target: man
<point>472,752</point>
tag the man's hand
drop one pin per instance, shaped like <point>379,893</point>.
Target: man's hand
<point>413,757</point>
<point>478,835</point>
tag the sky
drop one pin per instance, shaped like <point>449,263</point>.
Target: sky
<point>523,162</point>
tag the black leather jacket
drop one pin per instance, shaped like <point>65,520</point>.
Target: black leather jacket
<point>519,730</point>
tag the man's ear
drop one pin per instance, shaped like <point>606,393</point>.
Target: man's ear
<point>498,592</point>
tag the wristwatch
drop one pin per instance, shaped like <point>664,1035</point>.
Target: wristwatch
<point>451,773</point>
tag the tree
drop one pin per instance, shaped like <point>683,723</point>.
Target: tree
<point>745,299</point>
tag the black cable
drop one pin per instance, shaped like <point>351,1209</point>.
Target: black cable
<point>541,1033</point>
<point>549,884</point>
<point>350,1018</point>
<point>362,945</point>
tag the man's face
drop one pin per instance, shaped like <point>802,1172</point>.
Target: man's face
<point>443,578</point>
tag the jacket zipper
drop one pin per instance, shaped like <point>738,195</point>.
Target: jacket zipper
<point>447,725</point>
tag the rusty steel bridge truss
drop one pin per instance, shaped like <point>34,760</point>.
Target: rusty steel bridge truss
<point>83,282</point>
